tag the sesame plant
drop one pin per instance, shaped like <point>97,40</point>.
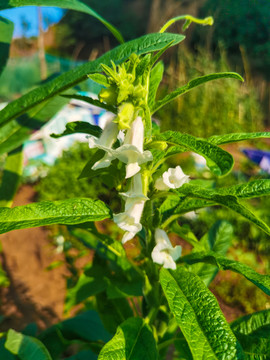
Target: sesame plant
<point>155,304</point>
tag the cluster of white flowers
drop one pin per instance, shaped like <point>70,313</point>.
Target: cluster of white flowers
<point>132,154</point>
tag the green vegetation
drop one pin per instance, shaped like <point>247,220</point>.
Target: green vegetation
<point>213,107</point>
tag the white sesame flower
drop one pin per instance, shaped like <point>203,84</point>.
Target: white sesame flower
<point>171,179</point>
<point>105,142</point>
<point>129,220</point>
<point>164,253</point>
<point>130,153</point>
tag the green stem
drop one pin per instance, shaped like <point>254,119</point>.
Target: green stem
<point>189,19</point>
<point>166,343</point>
<point>150,318</point>
<point>169,220</point>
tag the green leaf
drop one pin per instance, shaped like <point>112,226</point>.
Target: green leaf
<point>83,355</point>
<point>92,102</point>
<point>262,281</point>
<point>192,84</point>
<point>218,160</point>
<point>11,177</point>
<point>106,247</point>
<point>248,190</point>
<point>4,353</point>
<point>226,198</point>
<point>86,327</point>
<point>252,324</point>
<point>71,211</point>
<point>100,79</point>
<point>173,207</point>
<point>229,138</point>
<point>142,45</point>
<point>199,317</point>
<point>6,32</point>
<point>26,347</point>
<point>133,340</point>
<point>64,4</point>
<point>218,239</point>
<point>91,282</point>
<point>253,333</point>
<point>79,127</point>
<point>112,311</point>
<point>155,79</point>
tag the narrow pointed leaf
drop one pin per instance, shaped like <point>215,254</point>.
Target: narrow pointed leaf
<point>155,79</point>
<point>83,127</point>
<point>230,138</point>
<point>174,207</point>
<point>72,211</point>
<point>64,4</point>
<point>262,281</point>
<point>248,190</point>
<point>199,317</point>
<point>26,347</point>
<point>225,198</point>
<point>133,340</point>
<point>218,160</point>
<point>192,84</point>
<point>145,44</point>
<point>92,102</point>
<point>6,32</point>
<point>11,177</point>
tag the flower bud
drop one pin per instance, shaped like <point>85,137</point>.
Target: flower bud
<point>125,116</point>
<point>159,145</point>
<point>108,95</point>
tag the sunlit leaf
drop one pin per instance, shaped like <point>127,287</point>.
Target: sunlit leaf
<point>199,317</point>
<point>71,211</point>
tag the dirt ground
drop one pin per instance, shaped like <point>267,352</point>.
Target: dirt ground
<point>36,294</point>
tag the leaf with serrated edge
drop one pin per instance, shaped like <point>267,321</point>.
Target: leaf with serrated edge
<point>68,212</point>
<point>199,317</point>
<point>133,340</point>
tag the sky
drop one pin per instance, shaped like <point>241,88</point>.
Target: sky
<point>29,14</point>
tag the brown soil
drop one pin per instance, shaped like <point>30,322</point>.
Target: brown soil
<point>34,294</point>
